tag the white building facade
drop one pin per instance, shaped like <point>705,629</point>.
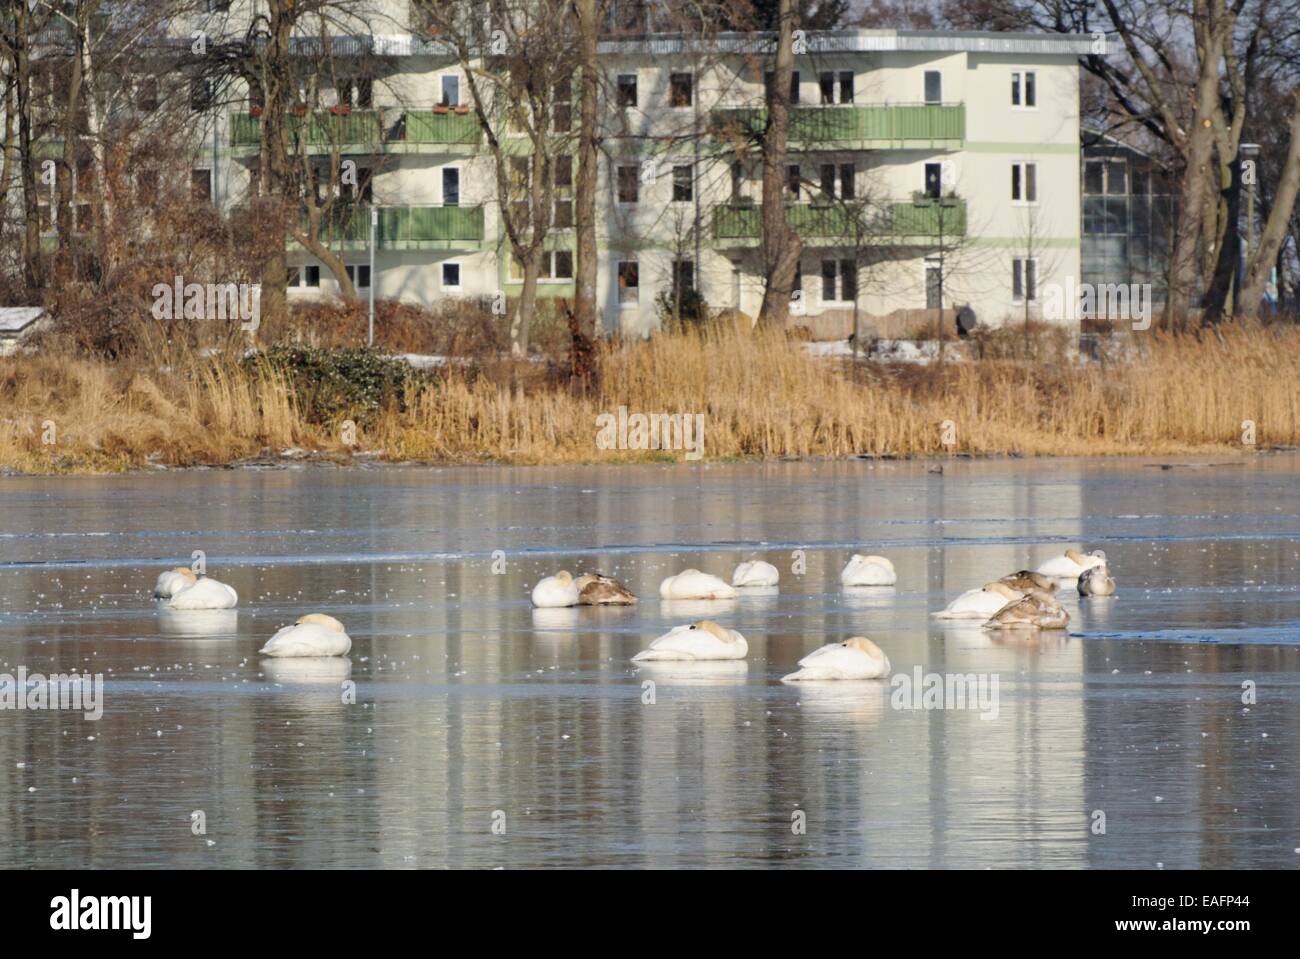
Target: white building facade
<point>926,170</point>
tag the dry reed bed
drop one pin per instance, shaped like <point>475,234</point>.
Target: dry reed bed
<point>760,396</point>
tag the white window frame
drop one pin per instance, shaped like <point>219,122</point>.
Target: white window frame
<point>353,271</point>
<point>441,91</point>
<point>547,272</point>
<point>1020,86</point>
<point>460,276</point>
<point>1024,165</point>
<point>1024,286</point>
<point>924,97</point>
<point>460,184</point>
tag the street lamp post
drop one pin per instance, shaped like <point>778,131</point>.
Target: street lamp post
<point>374,227</point>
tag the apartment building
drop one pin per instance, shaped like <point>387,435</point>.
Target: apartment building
<point>926,170</point>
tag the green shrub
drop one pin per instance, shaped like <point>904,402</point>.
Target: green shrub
<point>330,384</point>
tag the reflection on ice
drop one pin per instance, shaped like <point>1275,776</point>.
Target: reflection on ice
<point>307,670</point>
<point>869,597</point>
<point>716,672</point>
<point>694,609</point>
<point>207,623</point>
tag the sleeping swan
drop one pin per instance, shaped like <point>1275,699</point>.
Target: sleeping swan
<point>692,584</point>
<point>856,658</point>
<point>755,573</point>
<point>1038,610</point>
<point>555,591</point>
<point>172,581</point>
<point>1072,564</point>
<point>201,594</point>
<point>698,641</point>
<point>868,571</point>
<point>597,589</point>
<point>312,635</point>
<point>979,603</point>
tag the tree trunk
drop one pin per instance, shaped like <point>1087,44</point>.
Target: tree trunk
<point>1265,254</point>
<point>102,209</point>
<point>781,245</point>
<point>1229,248</point>
<point>585,274</point>
<point>1197,179</point>
<point>522,320</point>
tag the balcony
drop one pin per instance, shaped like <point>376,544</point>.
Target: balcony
<point>901,222</point>
<point>408,228</point>
<point>912,126</point>
<point>374,131</point>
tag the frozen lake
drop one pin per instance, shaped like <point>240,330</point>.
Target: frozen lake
<point>473,710</point>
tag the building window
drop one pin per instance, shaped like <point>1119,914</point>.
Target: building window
<point>200,95</point>
<point>562,118</point>
<point>627,89</point>
<point>679,90</point>
<point>356,92</point>
<point>629,292</point>
<point>311,276</point>
<point>933,86</point>
<point>562,265</point>
<point>826,84</point>
<point>933,285</point>
<point>451,276</point>
<point>1024,89</point>
<point>1024,279</point>
<point>848,189</point>
<point>792,179</point>
<point>201,185</point>
<point>737,181</point>
<point>359,274</point>
<point>450,186</point>
<point>450,90</point>
<point>629,184</point>
<point>683,277</point>
<point>933,180</point>
<point>683,184</point>
<point>1024,182</point>
<point>847,276</point>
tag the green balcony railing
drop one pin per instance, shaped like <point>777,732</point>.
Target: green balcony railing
<point>898,125</point>
<point>402,226</point>
<point>320,129</point>
<point>426,126</point>
<point>366,127</point>
<point>899,220</point>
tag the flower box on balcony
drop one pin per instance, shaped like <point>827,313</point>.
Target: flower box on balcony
<point>340,110</point>
<point>441,108</point>
<point>462,109</point>
<point>299,110</point>
<point>254,111</point>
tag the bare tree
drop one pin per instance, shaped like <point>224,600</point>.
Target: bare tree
<point>781,244</point>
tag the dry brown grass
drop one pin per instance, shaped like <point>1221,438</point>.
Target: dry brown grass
<point>761,397</point>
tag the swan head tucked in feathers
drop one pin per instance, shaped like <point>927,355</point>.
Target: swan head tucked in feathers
<point>564,577</point>
<point>186,572</point>
<point>862,644</point>
<point>320,619</point>
<point>709,626</point>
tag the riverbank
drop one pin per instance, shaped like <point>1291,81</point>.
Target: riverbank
<point>711,395</point>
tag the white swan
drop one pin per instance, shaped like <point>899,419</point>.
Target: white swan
<point>856,658</point>
<point>312,635</point>
<point>202,594</point>
<point>698,641</point>
<point>755,573</point>
<point>1096,581</point>
<point>1072,564</point>
<point>555,591</point>
<point>692,584</point>
<point>868,571</point>
<point>172,581</point>
<point>979,603</point>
